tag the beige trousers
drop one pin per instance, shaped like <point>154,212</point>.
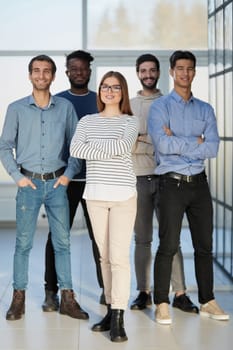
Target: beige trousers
<point>113,224</point>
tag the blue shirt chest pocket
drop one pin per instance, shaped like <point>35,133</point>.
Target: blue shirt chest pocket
<point>198,127</point>
<point>187,128</point>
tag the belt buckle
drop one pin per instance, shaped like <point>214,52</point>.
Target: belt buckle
<point>42,177</point>
<point>177,177</point>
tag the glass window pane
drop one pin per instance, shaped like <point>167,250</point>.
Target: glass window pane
<point>220,177</point>
<point>228,36</point>
<point>212,178</point>
<point>228,105</point>
<point>220,173</point>
<point>211,5</point>
<point>228,173</point>
<point>219,40</point>
<point>220,104</point>
<point>127,24</point>
<point>219,233</point>
<point>211,32</point>
<point>43,25</point>
<point>212,92</point>
<point>218,3</point>
<point>228,241</point>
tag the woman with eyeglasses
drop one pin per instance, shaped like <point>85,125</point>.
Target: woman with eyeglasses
<point>105,140</point>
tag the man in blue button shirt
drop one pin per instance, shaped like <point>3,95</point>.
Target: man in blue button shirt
<point>38,129</point>
<point>148,72</point>
<point>184,133</point>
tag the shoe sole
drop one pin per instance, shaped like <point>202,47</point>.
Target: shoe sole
<point>119,339</point>
<point>164,322</point>
<point>215,317</point>
<point>14,318</point>
<point>137,308</point>
<point>49,309</point>
<point>100,329</point>
<point>80,317</point>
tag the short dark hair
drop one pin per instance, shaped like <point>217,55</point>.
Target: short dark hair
<point>147,58</point>
<point>42,58</point>
<point>180,55</point>
<point>80,54</point>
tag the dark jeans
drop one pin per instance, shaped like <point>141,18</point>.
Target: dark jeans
<point>74,192</point>
<point>175,199</point>
<point>147,205</point>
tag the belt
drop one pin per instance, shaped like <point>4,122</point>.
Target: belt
<point>148,177</point>
<point>185,178</point>
<point>44,176</point>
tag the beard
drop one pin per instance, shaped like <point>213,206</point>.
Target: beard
<point>79,85</point>
<point>149,86</point>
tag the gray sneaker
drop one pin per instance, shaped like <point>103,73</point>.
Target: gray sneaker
<point>212,310</point>
<point>162,314</point>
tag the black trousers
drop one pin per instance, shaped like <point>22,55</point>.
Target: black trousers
<point>74,192</point>
<point>175,199</point>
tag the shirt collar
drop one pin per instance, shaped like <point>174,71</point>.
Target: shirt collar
<point>179,99</point>
<point>32,101</point>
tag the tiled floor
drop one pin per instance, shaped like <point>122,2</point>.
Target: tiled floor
<point>52,331</point>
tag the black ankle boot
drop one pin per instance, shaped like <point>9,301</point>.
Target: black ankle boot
<point>51,302</point>
<point>117,330</point>
<point>105,323</point>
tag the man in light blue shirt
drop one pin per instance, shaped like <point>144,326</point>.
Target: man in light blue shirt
<point>184,132</point>
<point>148,72</point>
<point>34,149</point>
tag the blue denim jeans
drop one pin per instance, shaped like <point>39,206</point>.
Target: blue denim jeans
<point>28,203</point>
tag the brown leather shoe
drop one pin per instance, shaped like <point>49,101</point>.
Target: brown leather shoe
<point>17,307</point>
<point>70,307</point>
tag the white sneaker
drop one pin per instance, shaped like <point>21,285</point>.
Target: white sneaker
<point>212,310</point>
<point>162,314</point>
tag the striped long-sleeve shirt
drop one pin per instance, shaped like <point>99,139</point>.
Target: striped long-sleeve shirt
<point>106,144</point>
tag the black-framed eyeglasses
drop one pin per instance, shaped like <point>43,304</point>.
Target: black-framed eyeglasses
<point>113,88</point>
